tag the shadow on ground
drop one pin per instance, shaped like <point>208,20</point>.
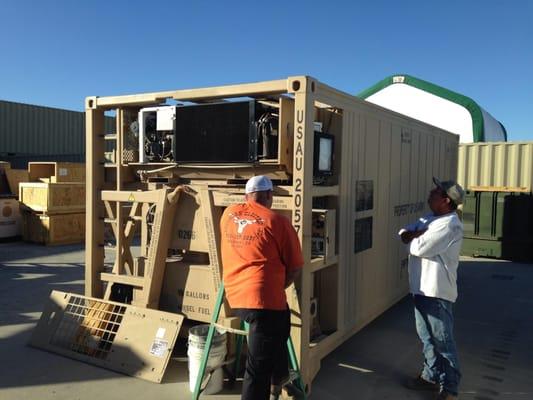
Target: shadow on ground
<point>494,332</point>
<point>28,273</point>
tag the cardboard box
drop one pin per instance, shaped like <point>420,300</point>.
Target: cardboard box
<point>188,289</point>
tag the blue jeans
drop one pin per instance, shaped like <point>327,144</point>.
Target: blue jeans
<point>434,325</point>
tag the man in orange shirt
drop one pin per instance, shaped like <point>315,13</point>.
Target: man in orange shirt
<point>261,257</point>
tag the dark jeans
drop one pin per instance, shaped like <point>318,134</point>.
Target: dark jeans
<point>434,325</point>
<point>267,360</point>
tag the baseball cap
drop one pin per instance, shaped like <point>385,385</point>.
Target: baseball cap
<point>258,183</point>
<point>452,189</point>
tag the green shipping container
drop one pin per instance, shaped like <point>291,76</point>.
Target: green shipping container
<point>498,224</point>
<point>484,214</point>
<point>469,214</point>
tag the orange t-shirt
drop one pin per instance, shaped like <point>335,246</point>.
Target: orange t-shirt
<point>258,246</point>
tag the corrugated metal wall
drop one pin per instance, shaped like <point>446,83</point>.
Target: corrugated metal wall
<point>496,164</point>
<point>400,157</point>
<point>28,129</point>
<point>21,161</point>
<point>36,133</point>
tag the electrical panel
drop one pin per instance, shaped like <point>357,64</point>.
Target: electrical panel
<point>157,127</point>
<point>227,132</point>
<point>323,233</point>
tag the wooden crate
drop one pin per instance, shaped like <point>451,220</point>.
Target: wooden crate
<point>4,186</point>
<point>53,197</point>
<point>53,229</point>
<point>4,165</point>
<point>56,172</point>
<point>14,178</point>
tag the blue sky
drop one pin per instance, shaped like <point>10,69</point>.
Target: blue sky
<point>55,53</point>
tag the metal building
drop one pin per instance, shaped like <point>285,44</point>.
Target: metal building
<point>37,133</point>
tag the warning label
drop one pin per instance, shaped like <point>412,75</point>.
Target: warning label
<point>159,348</point>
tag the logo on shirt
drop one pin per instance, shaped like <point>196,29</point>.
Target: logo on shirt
<point>242,223</point>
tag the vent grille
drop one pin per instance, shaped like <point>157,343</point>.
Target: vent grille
<point>88,327</point>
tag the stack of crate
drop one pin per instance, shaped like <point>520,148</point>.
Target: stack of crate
<point>53,203</point>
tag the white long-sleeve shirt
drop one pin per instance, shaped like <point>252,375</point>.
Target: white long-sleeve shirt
<point>434,256</point>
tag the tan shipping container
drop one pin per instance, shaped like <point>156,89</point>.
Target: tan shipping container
<point>496,166</point>
<point>382,172</point>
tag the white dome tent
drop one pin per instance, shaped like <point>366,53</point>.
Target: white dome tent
<point>436,106</point>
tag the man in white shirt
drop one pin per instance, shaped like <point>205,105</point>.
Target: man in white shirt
<point>434,242</point>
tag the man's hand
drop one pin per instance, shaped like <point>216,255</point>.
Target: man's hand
<point>407,236</point>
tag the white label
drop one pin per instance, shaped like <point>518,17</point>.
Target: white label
<point>160,333</point>
<point>166,117</point>
<point>63,172</point>
<point>159,348</point>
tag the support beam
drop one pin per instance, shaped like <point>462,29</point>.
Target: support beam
<point>94,253</point>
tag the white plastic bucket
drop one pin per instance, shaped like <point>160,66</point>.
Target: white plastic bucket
<point>197,339</point>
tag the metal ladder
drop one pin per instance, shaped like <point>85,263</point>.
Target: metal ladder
<point>294,372</point>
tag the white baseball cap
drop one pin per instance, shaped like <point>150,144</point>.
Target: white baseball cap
<point>258,183</point>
